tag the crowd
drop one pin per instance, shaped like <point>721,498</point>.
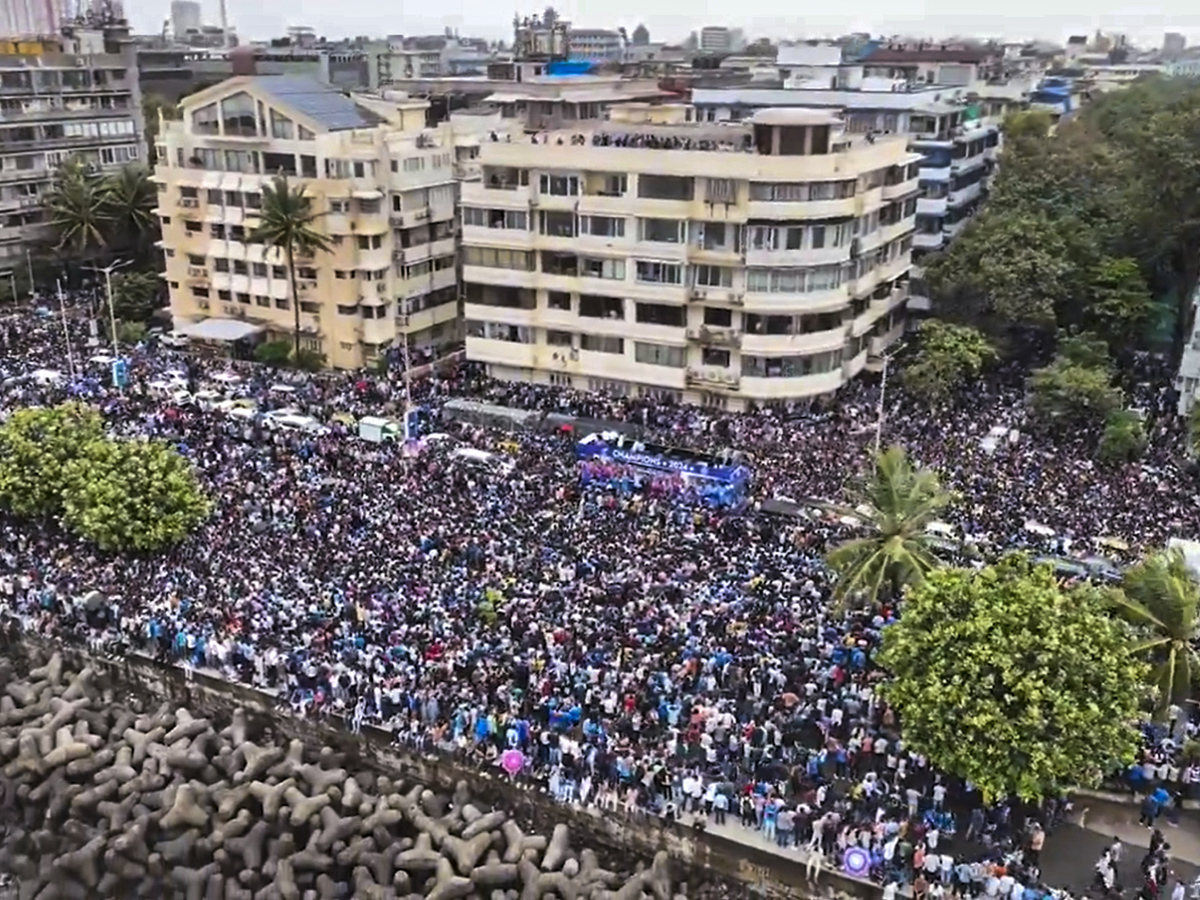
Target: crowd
<point>619,649</point>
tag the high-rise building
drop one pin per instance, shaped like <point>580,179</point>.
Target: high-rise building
<point>597,45</point>
<point>715,39</point>
<point>1174,44</point>
<point>77,99</point>
<point>727,265</point>
<point>383,186</point>
<point>185,17</point>
<point>30,18</point>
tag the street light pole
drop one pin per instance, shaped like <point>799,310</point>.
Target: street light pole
<point>62,308</point>
<point>112,309</point>
<point>882,395</point>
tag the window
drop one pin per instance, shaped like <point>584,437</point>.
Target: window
<point>279,163</point>
<point>338,206</point>
<point>762,237</point>
<point>559,338</point>
<point>659,355</point>
<point>238,115</point>
<point>714,315</point>
<point>521,260</point>
<point>200,292</point>
<point>554,263</point>
<point>665,187</point>
<point>591,267</point>
<point>790,366</point>
<point>217,230</point>
<point>659,272</point>
<point>602,226</point>
<point>560,185</point>
<point>308,166</point>
<point>713,276</point>
<point>558,300</point>
<point>259,270</point>
<point>193,227</point>
<point>205,120</point>
<point>793,239</point>
<point>414,164</point>
<point>597,344</point>
<point>281,126</point>
<point>194,260</point>
<point>347,309</point>
<point>369,241</point>
<point>216,197</point>
<point>661,231</point>
<point>262,301</point>
<point>240,268</point>
<point>817,237</point>
<point>596,307</point>
<point>504,297</point>
<point>613,185</point>
<point>661,314</point>
<point>715,356</point>
<point>304,134</point>
<point>558,224</point>
<point>495,218</point>
<point>278,272</point>
<point>722,190</point>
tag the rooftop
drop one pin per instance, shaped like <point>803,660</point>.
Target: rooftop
<point>885,55</point>
<point>324,104</point>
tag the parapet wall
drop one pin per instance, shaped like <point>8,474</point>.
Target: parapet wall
<point>706,857</point>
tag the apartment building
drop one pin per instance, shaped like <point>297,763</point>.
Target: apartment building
<point>725,265</point>
<point>69,97</point>
<point>381,181</point>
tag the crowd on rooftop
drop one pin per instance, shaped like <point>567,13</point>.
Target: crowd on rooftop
<point>620,649</point>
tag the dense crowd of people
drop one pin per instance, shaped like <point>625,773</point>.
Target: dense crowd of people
<point>623,650</point>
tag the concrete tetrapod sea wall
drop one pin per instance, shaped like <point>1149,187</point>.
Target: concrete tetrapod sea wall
<point>200,798</point>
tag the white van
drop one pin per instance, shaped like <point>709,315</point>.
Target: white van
<point>377,430</point>
<point>296,422</point>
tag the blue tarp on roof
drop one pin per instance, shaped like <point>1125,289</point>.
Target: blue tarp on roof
<point>569,67</point>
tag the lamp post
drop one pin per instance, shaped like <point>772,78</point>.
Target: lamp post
<point>882,394</point>
<point>112,309</point>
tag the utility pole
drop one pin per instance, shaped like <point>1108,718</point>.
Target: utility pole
<point>882,394</point>
<point>404,359</point>
<point>62,308</point>
<point>29,264</point>
<point>112,309</point>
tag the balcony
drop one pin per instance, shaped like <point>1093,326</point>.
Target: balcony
<point>409,218</point>
<point>966,164</point>
<point>794,344</point>
<point>715,336</point>
<point>830,300</point>
<point>422,252</point>
<point>965,195</point>
<point>787,388</point>
<point>928,240</point>
<point>189,202</point>
<point>502,238</point>
<point>496,196</point>
<point>878,345</point>
<point>712,379</point>
<point>791,258</point>
<point>845,208</point>
<point>932,206</point>
<point>378,331</point>
<point>715,295</point>
<point>935,173</point>
<point>902,188</point>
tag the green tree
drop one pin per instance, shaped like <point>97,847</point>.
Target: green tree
<point>895,505</point>
<point>1194,430</point>
<point>1070,393</point>
<point>132,495</point>
<point>308,360</point>
<point>949,355</point>
<point>273,353</point>
<point>129,200</point>
<point>78,211</point>
<point>1029,125</point>
<point>135,295</point>
<point>152,106</point>
<point>130,333</point>
<point>1119,302</point>
<point>1161,600</point>
<point>1002,677</point>
<point>1124,438</point>
<point>36,446</point>
<point>288,226</point>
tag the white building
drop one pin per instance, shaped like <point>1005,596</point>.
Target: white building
<point>384,187</point>
<point>597,45</point>
<point>716,39</point>
<point>30,18</point>
<point>727,265</point>
<point>185,16</point>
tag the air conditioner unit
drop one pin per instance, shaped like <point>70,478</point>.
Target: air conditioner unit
<point>730,379</point>
<point>695,334</point>
<point>699,295</point>
<point>189,202</point>
<point>421,214</point>
<point>202,304</point>
<point>737,299</point>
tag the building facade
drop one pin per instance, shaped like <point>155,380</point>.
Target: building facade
<point>722,265</point>
<point>30,18</point>
<point>185,17</point>
<point>596,45</point>
<point>76,98</point>
<point>715,39</point>
<point>382,183</point>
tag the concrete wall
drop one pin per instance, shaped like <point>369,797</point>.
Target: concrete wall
<point>706,858</point>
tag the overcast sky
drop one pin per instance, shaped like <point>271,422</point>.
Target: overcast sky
<point>1015,19</point>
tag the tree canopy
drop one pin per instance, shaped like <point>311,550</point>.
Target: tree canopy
<point>1002,677</point>
<point>948,356</point>
<point>1085,226</point>
<point>1076,389</point>
<point>119,494</point>
<point>895,504</point>
<point>93,215</point>
<point>1161,599</point>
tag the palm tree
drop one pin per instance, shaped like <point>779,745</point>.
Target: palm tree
<point>130,198</point>
<point>1161,599</point>
<point>895,505</point>
<point>287,225</point>
<point>78,211</point>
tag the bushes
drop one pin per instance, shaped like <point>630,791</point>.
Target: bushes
<point>119,494</point>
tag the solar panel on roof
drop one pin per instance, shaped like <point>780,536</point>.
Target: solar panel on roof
<point>320,102</point>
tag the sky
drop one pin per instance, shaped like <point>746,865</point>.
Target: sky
<point>1011,19</point>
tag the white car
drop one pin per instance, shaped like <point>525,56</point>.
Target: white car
<point>102,359</point>
<point>227,377</point>
<point>174,339</point>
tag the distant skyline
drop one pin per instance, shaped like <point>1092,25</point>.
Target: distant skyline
<point>1015,20</point>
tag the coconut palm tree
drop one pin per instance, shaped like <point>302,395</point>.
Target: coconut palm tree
<point>287,225</point>
<point>1161,599</point>
<point>895,505</point>
<point>78,211</point>
<point>130,198</point>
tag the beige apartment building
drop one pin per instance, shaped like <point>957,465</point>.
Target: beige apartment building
<point>382,182</point>
<point>724,265</point>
